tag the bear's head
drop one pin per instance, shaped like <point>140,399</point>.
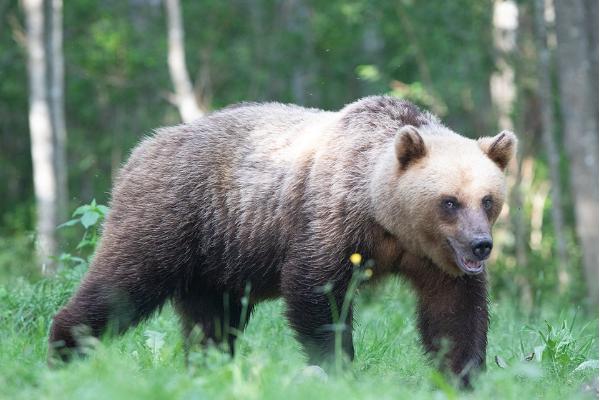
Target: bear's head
<point>439,194</point>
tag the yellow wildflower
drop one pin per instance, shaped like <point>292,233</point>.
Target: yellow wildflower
<point>356,259</point>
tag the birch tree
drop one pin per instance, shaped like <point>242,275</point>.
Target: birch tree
<point>580,122</point>
<point>45,176</point>
<point>56,85</point>
<point>502,82</point>
<point>503,92</point>
<point>184,98</point>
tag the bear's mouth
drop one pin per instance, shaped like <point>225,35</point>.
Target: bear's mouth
<point>471,267</point>
<point>465,263</point>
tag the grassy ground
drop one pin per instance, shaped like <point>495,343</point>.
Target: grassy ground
<point>148,361</point>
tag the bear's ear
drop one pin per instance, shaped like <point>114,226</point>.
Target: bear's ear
<point>500,148</point>
<point>409,145</point>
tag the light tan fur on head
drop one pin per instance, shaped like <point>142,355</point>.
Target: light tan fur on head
<point>431,167</point>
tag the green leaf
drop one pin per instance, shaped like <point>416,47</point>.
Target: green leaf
<point>539,351</point>
<point>81,210</point>
<point>65,257</point>
<point>589,364</point>
<point>102,209</point>
<point>89,218</point>
<point>68,223</point>
<point>83,243</point>
<point>155,341</point>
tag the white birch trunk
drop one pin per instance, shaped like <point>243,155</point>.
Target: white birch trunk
<point>503,93</point>
<point>502,82</point>
<point>185,97</point>
<point>42,143</point>
<point>56,87</point>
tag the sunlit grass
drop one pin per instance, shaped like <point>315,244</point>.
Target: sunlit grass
<point>269,364</point>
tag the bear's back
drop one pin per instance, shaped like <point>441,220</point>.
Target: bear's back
<point>234,190</point>
<point>227,189</point>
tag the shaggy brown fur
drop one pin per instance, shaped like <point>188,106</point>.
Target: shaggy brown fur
<point>278,197</point>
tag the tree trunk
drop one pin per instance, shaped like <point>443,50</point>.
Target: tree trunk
<point>580,125</point>
<point>185,97</point>
<point>503,92</point>
<point>56,85</point>
<point>545,96</point>
<point>42,141</point>
<point>502,82</point>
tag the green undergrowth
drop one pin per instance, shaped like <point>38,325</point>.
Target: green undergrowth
<point>553,355</point>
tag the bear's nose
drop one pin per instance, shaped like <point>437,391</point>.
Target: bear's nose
<point>481,248</point>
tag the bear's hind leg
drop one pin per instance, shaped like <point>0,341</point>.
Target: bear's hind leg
<point>108,300</point>
<point>220,316</point>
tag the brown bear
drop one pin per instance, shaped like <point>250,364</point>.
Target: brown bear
<point>273,199</point>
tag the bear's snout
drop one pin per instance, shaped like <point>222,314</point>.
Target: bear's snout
<point>469,255</point>
<point>482,247</point>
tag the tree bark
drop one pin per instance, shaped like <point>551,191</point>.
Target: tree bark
<point>580,125</point>
<point>42,142</point>
<point>503,92</point>
<point>502,82</point>
<point>545,96</point>
<point>56,85</point>
<point>185,97</point>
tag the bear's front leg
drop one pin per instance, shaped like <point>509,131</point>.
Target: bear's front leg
<point>311,311</point>
<point>453,319</point>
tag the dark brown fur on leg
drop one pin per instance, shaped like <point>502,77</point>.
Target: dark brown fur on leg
<point>220,316</point>
<point>309,311</point>
<point>315,331</point>
<point>453,312</point>
<point>105,302</point>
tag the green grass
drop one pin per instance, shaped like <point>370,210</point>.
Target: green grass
<point>389,361</point>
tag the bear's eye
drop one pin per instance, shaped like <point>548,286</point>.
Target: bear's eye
<point>450,204</point>
<point>487,203</point>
